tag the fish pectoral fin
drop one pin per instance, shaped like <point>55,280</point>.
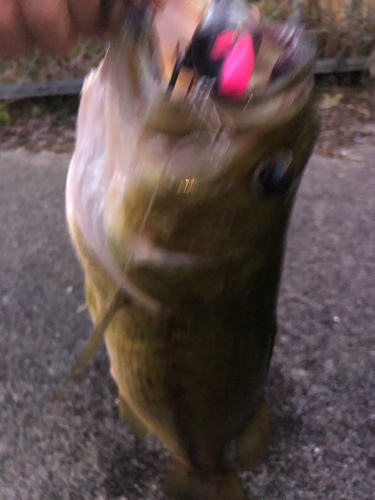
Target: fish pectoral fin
<point>252,444</point>
<point>118,300</point>
<point>133,422</point>
<point>182,483</point>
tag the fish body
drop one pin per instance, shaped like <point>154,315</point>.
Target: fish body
<point>184,203</point>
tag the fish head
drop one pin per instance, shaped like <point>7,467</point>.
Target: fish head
<point>192,176</point>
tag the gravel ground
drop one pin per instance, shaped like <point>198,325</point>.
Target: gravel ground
<point>321,386</point>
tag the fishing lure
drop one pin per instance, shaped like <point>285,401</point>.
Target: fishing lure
<point>222,51</point>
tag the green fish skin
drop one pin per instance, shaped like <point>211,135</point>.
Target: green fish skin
<point>190,345</point>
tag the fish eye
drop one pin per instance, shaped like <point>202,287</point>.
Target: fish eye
<point>275,174</point>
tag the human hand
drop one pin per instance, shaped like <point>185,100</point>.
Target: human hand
<point>53,25</point>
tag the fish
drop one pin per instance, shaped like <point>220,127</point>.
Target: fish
<point>178,201</point>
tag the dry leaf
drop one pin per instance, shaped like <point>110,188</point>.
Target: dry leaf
<point>365,112</point>
<point>330,101</point>
<point>354,157</point>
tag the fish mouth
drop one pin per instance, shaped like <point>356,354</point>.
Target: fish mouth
<point>188,130</point>
<point>280,83</point>
<point>283,53</point>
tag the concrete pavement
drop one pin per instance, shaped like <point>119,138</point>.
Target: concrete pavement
<point>321,390</point>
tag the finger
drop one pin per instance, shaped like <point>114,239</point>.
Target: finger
<point>86,15</point>
<point>51,24</point>
<point>15,38</point>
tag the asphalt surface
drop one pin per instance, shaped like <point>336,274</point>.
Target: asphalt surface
<point>321,390</point>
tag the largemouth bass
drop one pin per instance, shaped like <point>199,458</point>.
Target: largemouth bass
<point>192,138</point>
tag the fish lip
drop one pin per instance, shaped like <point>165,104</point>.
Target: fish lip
<point>300,46</point>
